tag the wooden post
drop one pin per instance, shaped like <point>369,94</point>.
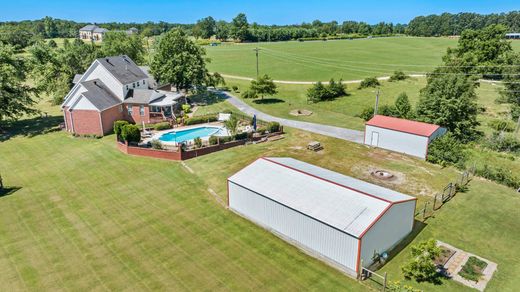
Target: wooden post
<point>384,282</point>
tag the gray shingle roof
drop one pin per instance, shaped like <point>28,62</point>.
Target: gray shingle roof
<point>143,96</point>
<point>99,94</point>
<point>100,30</point>
<point>123,69</point>
<point>89,27</point>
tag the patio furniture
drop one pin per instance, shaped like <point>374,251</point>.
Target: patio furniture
<point>314,146</point>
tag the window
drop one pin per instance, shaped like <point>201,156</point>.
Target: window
<point>129,108</point>
<point>144,82</point>
<point>133,85</point>
<point>127,87</point>
<point>138,83</point>
<point>141,110</point>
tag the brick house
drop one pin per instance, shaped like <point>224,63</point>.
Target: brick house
<point>115,88</point>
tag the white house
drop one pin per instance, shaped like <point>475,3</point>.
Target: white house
<point>400,135</point>
<point>336,218</point>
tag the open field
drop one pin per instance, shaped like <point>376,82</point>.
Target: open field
<point>320,61</point>
<point>82,215</point>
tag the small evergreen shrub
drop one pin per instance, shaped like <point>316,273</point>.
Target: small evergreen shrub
<point>235,88</point>
<point>421,266</point>
<point>118,126</point>
<point>398,76</point>
<point>241,136</point>
<point>186,108</point>
<point>156,144</point>
<point>261,130</point>
<point>131,133</point>
<point>319,92</point>
<point>225,139</point>
<point>369,82</point>
<point>249,94</point>
<point>273,127</point>
<point>162,126</point>
<point>213,140</point>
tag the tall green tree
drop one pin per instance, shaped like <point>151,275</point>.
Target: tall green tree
<point>205,28</point>
<point>511,91</point>
<point>240,27</point>
<point>179,61</point>
<point>449,100</point>
<point>222,30</point>
<point>403,107</point>
<point>119,43</point>
<point>16,98</point>
<point>264,85</point>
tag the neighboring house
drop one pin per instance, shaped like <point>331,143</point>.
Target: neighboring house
<point>514,36</point>
<point>115,88</point>
<point>400,135</point>
<point>342,220</point>
<point>96,33</point>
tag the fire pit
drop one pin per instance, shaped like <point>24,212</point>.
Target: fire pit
<point>381,174</point>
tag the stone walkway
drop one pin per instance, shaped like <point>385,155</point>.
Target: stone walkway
<point>459,259</point>
<point>331,131</point>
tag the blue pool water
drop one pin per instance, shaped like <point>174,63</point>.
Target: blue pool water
<point>189,134</point>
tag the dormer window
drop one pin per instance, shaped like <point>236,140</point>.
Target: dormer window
<point>133,85</point>
<point>137,83</point>
<point>127,87</point>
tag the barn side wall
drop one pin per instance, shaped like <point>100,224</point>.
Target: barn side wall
<point>398,141</point>
<point>388,231</point>
<point>318,239</point>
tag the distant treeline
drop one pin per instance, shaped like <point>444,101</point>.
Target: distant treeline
<point>23,33</point>
<point>454,24</point>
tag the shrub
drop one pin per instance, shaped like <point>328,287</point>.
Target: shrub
<point>446,150</point>
<point>502,125</point>
<point>273,127</point>
<point>319,92</point>
<point>235,88</point>
<point>249,94</point>
<point>396,286</point>
<point>225,139</point>
<point>186,108</point>
<point>261,130</point>
<point>198,142</point>
<point>384,110</point>
<point>499,175</point>
<point>213,140</point>
<point>156,144</point>
<point>118,126</point>
<point>421,266</point>
<point>503,143</point>
<point>403,107</point>
<point>162,126</point>
<point>241,136</point>
<point>369,82</point>
<point>200,120</point>
<point>398,76</point>
<point>131,133</point>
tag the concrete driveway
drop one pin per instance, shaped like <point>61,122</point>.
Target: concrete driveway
<point>336,132</point>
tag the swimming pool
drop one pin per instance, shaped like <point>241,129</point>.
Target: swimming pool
<point>190,134</point>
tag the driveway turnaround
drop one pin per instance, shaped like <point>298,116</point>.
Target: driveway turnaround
<point>336,132</point>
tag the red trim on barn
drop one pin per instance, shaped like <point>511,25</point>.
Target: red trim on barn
<point>375,220</point>
<point>403,125</point>
<point>329,181</point>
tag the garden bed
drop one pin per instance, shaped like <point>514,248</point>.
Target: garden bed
<point>473,269</point>
<point>444,257</point>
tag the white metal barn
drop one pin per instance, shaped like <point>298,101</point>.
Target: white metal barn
<point>337,218</point>
<point>400,135</point>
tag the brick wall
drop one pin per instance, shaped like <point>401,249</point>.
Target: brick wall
<point>136,117</point>
<point>86,122</point>
<point>109,116</point>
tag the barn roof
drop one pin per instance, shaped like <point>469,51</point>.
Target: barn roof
<point>340,201</point>
<point>403,125</point>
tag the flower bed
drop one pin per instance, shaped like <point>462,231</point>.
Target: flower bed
<point>473,269</point>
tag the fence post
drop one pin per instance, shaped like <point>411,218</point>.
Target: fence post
<point>384,282</point>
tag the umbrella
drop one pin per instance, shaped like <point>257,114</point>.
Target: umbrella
<point>254,122</point>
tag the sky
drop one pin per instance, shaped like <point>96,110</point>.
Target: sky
<point>263,12</point>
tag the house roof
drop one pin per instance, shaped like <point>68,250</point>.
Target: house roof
<point>89,27</point>
<point>143,96</point>
<point>99,94</point>
<point>340,201</point>
<point>403,125</point>
<point>100,30</point>
<point>77,78</point>
<point>123,69</point>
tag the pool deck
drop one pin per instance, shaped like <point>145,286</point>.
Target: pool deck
<point>157,134</point>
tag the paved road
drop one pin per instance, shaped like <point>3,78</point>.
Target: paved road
<point>336,132</point>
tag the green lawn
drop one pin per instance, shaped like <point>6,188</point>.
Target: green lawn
<point>85,216</point>
<point>319,60</point>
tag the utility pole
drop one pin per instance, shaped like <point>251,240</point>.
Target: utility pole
<point>377,103</point>
<point>256,50</point>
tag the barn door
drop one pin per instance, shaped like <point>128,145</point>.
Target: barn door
<point>375,139</point>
